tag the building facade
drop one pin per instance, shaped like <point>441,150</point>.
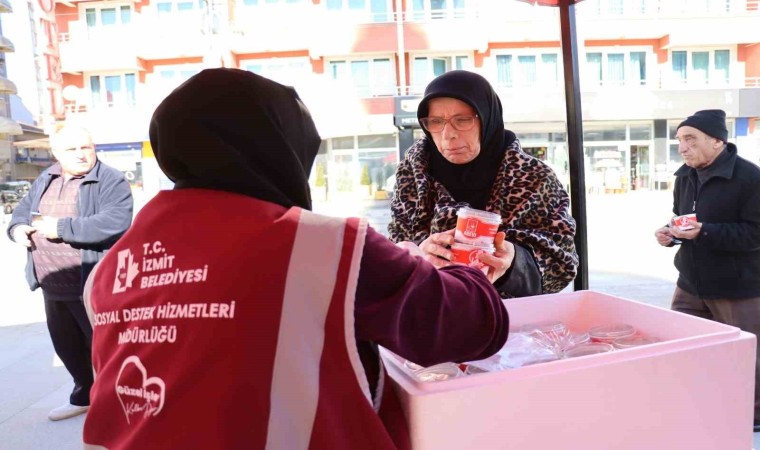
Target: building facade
<point>361,66</point>
<point>24,147</point>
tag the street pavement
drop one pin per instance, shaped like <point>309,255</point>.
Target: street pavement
<point>623,258</point>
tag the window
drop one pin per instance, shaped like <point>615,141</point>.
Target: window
<point>438,9</point>
<point>603,132</point>
<point>594,67</point>
<point>627,68</point>
<point>372,10</point>
<point>169,77</point>
<point>370,77</point>
<point>721,66</point>
<point>549,71</point>
<point>170,8</point>
<point>679,65</point>
<point>638,68</point>
<point>112,15</point>
<point>504,70</point>
<point>112,90</point>
<point>425,68</point>
<point>641,132</point>
<point>527,70</point>
<point>288,71</point>
<point>615,69</point>
<point>701,67</point>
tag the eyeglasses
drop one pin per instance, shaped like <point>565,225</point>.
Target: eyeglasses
<point>460,123</point>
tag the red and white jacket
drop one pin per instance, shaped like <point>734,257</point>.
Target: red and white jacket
<point>233,330</point>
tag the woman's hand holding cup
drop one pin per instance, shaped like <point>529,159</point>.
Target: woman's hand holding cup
<point>501,260</point>
<point>436,248</point>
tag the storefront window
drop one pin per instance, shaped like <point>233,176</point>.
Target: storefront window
<point>606,169</point>
<point>377,141</point>
<point>603,132</point>
<point>343,143</point>
<point>641,132</point>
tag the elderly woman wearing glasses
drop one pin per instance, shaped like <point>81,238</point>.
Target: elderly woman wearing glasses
<point>468,158</point>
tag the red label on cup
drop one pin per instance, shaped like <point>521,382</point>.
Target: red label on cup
<point>683,222</point>
<point>468,254</point>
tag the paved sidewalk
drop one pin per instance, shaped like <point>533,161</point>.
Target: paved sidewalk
<point>624,261</point>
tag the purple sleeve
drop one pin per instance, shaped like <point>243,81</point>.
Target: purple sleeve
<point>425,314</point>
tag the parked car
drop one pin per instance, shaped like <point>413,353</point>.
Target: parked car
<point>10,200</point>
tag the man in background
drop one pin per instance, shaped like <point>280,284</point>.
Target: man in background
<point>74,211</point>
<point>719,259</point>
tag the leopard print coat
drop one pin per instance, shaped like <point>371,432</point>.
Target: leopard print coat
<point>527,194</point>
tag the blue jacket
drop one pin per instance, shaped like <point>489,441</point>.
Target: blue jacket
<point>105,212</point>
<point>724,260</point>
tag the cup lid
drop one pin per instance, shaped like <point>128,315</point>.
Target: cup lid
<point>438,372</point>
<point>591,348</point>
<point>479,213</point>
<point>611,332</point>
<point>634,341</point>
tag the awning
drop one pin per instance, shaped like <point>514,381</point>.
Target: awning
<point>5,6</point>
<point>9,126</point>
<point>6,45</point>
<point>33,143</point>
<point>7,86</point>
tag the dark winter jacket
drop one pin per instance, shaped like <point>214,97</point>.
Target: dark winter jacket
<point>105,212</point>
<point>724,260</point>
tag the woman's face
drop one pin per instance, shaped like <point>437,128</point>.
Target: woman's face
<point>458,147</point>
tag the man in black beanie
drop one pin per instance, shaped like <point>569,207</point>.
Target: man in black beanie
<point>719,259</point>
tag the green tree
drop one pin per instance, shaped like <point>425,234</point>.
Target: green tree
<point>365,180</point>
<point>319,180</point>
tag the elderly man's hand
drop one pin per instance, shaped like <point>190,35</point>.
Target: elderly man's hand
<point>501,260</point>
<point>663,236</point>
<point>21,235</point>
<point>687,234</point>
<point>46,226</point>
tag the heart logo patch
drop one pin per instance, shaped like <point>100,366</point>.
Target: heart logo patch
<point>140,396</point>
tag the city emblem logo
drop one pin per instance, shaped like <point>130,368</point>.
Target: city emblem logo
<point>126,271</point>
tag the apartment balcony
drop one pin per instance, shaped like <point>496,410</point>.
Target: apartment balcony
<point>621,102</point>
<point>273,30</point>
<point>123,47</point>
<point>114,122</point>
<point>91,49</point>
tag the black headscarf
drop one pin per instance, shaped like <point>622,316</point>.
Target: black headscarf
<point>470,182</point>
<point>232,130</point>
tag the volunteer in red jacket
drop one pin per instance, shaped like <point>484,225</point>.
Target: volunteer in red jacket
<point>231,316</point>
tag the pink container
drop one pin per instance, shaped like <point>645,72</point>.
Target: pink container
<point>476,227</point>
<point>657,396</point>
<point>468,254</point>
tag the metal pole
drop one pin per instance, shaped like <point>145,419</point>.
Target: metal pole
<point>401,50</point>
<point>574,138</point>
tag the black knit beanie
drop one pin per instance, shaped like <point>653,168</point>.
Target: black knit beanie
<point>712,122</point>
